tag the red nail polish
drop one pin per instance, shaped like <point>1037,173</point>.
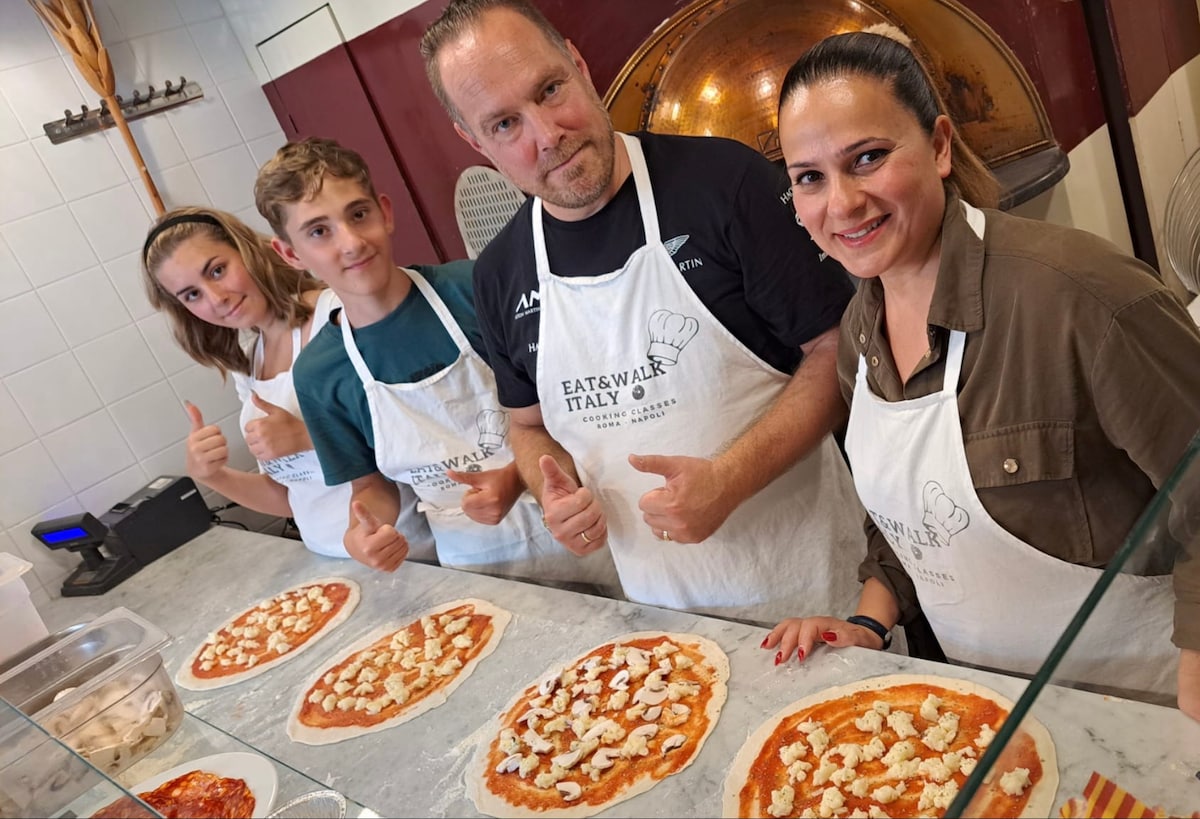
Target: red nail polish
<point>799,655</point>
<point>764,642</point>
<point>778,657</point>
<point>828,636</point>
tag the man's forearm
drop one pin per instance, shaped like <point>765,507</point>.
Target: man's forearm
<point>529,444</point>
<point>807,410</point>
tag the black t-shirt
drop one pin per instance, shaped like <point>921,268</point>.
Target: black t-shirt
<point>724,213</point>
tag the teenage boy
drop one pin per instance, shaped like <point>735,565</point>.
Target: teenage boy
<point>396,389</point>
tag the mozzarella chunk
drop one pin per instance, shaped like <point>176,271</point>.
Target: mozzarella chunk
<point>899,752</point>
<point>935,770</point>
<point>886,794</point>
<point>819,741</point>
<point>790,753</point>
<point>617,701</point>
<point>871,722</point>
<point>462,641</point>
<point>986,735</point>
<point>937,796</point>
<point>832,802</point>
<point>458,626</point>
<point>798,770</point>
<point>929,708</point>
<point>872,750</point>
<point>902,723</point>
<point>782,801</point>
<point>823,772</point>
<point>1015,781</point>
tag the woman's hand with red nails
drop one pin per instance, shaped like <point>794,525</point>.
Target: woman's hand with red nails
<point>799,635</point>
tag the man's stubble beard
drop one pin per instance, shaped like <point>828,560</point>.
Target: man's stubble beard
<point>568,195</point>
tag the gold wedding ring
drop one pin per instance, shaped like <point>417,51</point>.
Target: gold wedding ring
<point>666,535</point>
<point>583,535</point>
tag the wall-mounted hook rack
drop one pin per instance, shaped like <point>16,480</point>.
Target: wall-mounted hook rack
<point>88,121</point>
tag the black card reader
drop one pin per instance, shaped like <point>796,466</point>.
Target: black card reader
<point>158,518</point>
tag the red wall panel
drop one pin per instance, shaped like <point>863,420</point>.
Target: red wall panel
<point>325,98</point>
<point>391,115</point>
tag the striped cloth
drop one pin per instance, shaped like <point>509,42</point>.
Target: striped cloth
<point>1104,799</point>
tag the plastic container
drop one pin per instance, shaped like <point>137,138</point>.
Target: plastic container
<point>102,690</point>
<point>22,623</point>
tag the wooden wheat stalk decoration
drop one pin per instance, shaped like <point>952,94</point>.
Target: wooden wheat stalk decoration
<point>73,24</point>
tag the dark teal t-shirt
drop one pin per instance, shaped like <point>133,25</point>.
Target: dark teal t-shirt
<point>406,346</point>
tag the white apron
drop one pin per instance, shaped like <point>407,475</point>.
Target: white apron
<point>633,362</point>
<point>992,599</point>
<point>321,512</point>
<point>451,420</point>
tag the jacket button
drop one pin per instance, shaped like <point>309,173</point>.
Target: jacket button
<point>1011,466</point>
<point>862,338</point>
<point>874,361</point>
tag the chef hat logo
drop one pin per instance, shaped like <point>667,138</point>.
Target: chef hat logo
<point>493,428</point>
<point>669,334</point>
<point>943,517</point>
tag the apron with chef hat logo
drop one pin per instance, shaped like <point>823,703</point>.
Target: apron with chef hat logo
<point>633,362</point>
<point>321,512</point>
<point>992,599</point>
<point>450,420</point>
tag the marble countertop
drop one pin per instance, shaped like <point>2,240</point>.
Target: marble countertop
<point>416,768</point>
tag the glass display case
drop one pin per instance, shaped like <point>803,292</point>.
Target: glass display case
<point>42,776</point>
<point>1165,536</point>
<point>90,718</point>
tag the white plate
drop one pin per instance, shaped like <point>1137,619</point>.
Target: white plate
<point>258,771</point>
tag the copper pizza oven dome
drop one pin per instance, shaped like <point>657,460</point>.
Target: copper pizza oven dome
<point>714,68</point>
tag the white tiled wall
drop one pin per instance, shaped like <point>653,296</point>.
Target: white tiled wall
<point>91,382</point>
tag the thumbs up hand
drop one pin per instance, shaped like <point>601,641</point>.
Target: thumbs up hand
<point>571,513</point>
<point>690,505</point>
<point>490,494</point>
<point>373,543</point>
<point>207,449</point>
<point>277,433</point>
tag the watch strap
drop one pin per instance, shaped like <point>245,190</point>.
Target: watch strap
<point>871,624</point>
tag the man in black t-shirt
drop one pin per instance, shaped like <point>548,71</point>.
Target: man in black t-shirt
<point>662,330</point>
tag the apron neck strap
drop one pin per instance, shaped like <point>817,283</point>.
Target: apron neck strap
<point>258,352</point>
<point>641,179</point>
<point>439,307</point>
<point>954,359</point>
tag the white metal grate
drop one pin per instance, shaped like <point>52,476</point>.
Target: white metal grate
<point>484,201</point>
<point>1181,224</point>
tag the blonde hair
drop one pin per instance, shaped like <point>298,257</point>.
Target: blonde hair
<point>281,285</point>
<point>887,59</point>
<point>297,172</point>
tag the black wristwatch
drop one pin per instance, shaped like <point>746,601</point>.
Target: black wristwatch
<point>874,625</point>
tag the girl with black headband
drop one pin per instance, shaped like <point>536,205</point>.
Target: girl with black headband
<point>234,305</point>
